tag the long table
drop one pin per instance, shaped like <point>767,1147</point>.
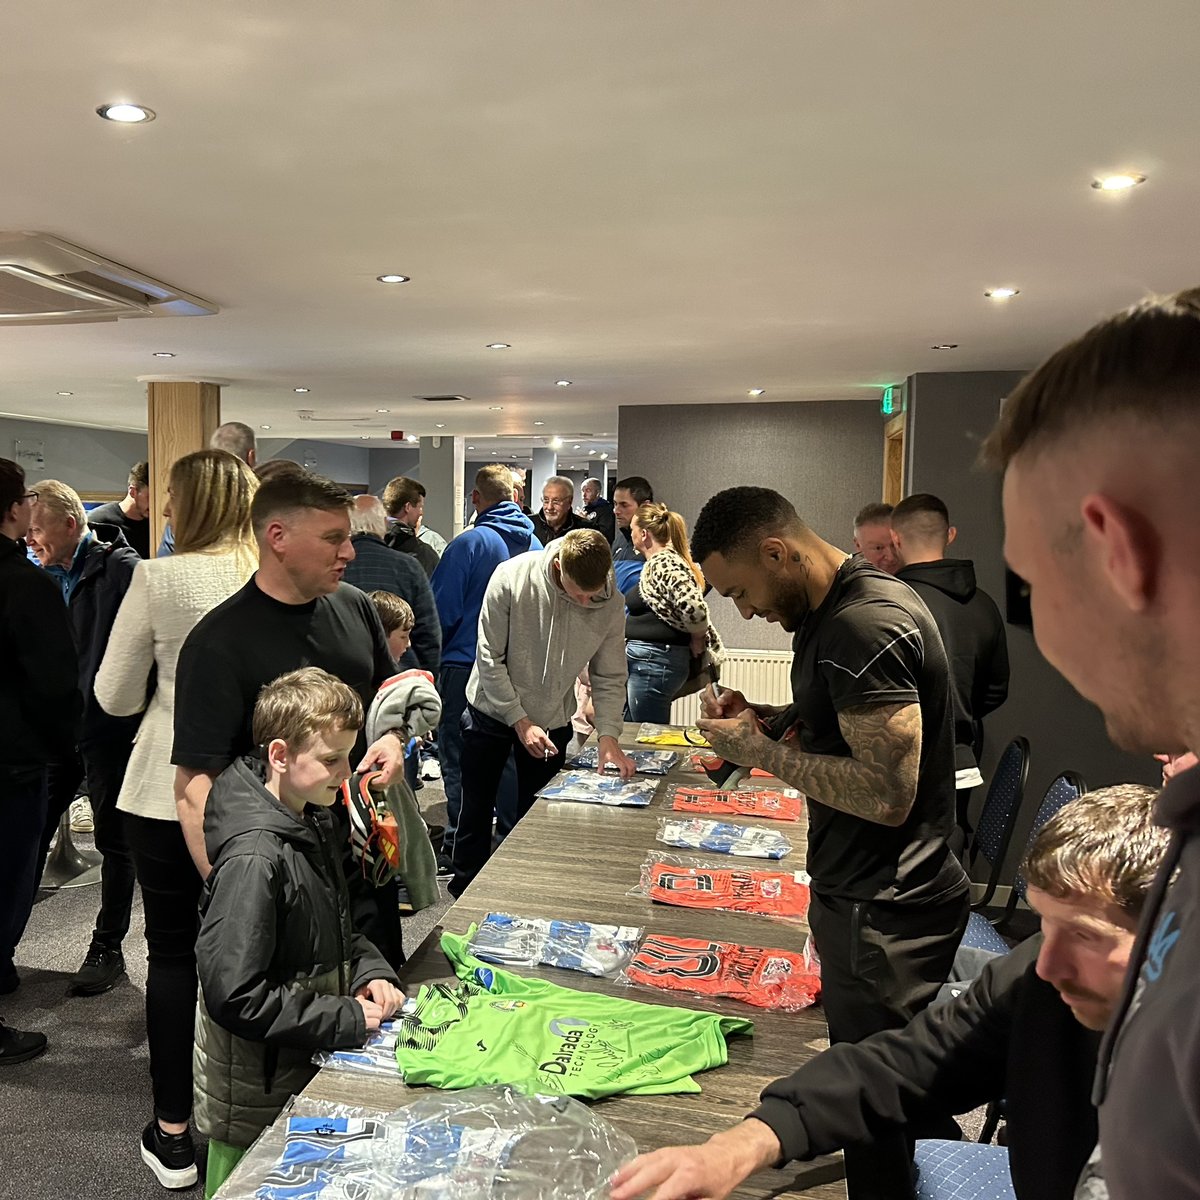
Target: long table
<point>580,862</point>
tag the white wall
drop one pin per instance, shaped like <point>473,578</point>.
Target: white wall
<point>343,464</point>
<point>90,460</point>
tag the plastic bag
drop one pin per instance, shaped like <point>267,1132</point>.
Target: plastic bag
<point>671,735</point>
<point>782,980</point>
<point>692,883</point>
<point>776,804</point>
<point>377,1057</point>
<point>509,941</point>
<point>589,788</point>
<point>648,762</point>
<point>479,1142</point>
<point>744,841</point>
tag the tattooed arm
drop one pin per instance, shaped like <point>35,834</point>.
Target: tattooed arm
<point>878,782</point>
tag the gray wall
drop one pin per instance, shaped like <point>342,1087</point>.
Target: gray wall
<point>90,460</point>
<point>948,417</point>
<point>825,456</point>
<point>343,464</point>
<point>389,462</point>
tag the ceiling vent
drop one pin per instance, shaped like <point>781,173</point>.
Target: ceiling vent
<point>442,399</point>
<point>46,281</point>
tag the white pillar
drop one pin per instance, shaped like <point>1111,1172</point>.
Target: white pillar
<point>545,464</point>
<point>442,476</point>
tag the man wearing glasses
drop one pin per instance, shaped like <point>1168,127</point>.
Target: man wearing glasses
<point>557,518</point>
<point>39,704</point>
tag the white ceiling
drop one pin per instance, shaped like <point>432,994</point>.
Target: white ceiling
<point>666,202</point>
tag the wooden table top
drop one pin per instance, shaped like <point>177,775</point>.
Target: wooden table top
<point>579,862</point>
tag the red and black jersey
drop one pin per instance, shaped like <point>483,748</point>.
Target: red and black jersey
<point>771,893</point>
<point>762,802</point>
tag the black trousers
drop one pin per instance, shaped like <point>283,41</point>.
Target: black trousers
<point>487,744</point>
<point>22,816</point>
<point>103,766</point>
<point>170,887</point>
<point>881,964</point>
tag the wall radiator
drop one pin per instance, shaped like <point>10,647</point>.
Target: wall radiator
<point>761,675</point>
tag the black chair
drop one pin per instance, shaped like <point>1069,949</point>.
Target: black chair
<point>999,814</point>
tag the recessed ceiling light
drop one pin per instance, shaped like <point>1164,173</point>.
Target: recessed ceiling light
<point>1121,182</point>
<point>383,410</point>
<point>439,425</point>
<point>555,443</point>
<point>264,427</point>
<point>1002,293</point>
<point>539,422</point>
<point>499,346</point>
<point>591,452</point>
<point>300,391</point>
<point>495,408</point>
<point>605,454</point>
<point>366,437</point>
<point>393,278</point>
<point>576,447</point>
<point>412,437</point>
<point>66,393</point>
<point>562,383</point>
<point>756,391</point>
<point>470,447</point>
<point>944,346</point>
<point>163,354</point>
<point>126,114</point>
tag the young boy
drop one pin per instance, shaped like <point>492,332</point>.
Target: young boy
<point>398,620</point>
<point>282,973</point>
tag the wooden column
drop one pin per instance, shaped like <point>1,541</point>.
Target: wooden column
<point>182,417</point>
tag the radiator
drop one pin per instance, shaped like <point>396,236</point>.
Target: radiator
<point>760,675</point>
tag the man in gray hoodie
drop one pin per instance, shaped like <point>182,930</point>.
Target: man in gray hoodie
<point>546,615</point>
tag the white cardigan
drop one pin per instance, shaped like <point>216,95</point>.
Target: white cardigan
<point>166,598</point>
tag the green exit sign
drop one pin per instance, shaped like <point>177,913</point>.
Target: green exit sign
<point>887,405</point>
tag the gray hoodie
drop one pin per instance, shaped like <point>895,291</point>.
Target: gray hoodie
<point>534,641</point>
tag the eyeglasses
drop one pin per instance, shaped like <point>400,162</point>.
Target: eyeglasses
<point>31,497</point>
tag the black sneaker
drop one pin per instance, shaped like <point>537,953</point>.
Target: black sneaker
<point>17,1047</point>
<point>445,869</point>
<point>171,1156</point>
<point>102,970</point>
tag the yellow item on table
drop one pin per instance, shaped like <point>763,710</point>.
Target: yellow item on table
<point>667,735</point>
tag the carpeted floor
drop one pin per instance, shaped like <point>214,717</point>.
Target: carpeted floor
<point>70,1121</point>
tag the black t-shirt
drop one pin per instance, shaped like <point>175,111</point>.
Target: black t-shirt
<point>872,641</point>
<point>642,625</point>
<point>137,533</point>
<point>251,639</point>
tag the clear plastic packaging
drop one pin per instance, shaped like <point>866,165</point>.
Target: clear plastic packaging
<point>692,883</point>
<point>648,762</point>
<point>508,941</point>
<point>782,980</point>
<point>671,735</point>
<point>720,837</point>
<point>587,787</point>
<point>776,804</point>
<point>377,1057</point>
<point>482,1142</point>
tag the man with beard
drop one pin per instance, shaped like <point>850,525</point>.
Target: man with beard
<point>869,739</point>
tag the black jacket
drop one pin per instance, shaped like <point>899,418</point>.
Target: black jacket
<point>976,647</point>
<point>546,535</point>
<point>1010,1036</point>
<point>600,516</point>
<point>108,564</point>
<point>401,538</point>
<point>40,701</point>
<point>380,568</point>
<point>622,547</point>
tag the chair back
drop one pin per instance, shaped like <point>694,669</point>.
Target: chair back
<point>999,813</point>
<point>1062,790</point>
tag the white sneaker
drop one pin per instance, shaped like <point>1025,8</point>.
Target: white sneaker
<point>81,816</point>
<point>431,769</point>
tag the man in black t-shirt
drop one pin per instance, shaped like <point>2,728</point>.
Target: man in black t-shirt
<point>130,514</point>
<point>294,612</point>
<point>868,738</point>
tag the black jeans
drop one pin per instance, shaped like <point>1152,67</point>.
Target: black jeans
<point>22,816</point>
<point>881,964</point>
<point>487,744</point>
<point>170,887</point>
<point>103,766</point>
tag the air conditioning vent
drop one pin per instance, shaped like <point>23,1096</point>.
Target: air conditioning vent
<point>46,281</point>
<point>442,399</point>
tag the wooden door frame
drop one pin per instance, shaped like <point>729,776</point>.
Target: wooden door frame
<point>894,448</point>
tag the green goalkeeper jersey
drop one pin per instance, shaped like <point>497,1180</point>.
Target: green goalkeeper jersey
<point>496,1027</point>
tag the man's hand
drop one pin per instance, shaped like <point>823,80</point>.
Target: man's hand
<point>707,1172</point>
<point>740,740</point>
<point>1175,764</point>
<point>385,756</point>
<point>535,739</point>
<point>608,751</point>
<point>723,703</point>
<point>372,1012</point>
<point>387,996</point>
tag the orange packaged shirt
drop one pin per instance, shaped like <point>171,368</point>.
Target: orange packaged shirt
<point>771,893</point>
<point>761,802</point>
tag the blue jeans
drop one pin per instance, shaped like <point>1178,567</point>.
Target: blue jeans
<point>656,672</point>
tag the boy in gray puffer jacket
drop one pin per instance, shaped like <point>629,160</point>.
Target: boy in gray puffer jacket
<point>282,973</point>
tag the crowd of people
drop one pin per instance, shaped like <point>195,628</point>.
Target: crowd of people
<point>212,700</point>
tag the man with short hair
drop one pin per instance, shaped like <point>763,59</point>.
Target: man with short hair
<point>130,514</point>
<point>873,537</point>
<point>1098,448</point>
<point>404,502</point>
<point>598,510</point>
<point>557,518</point>
<point>545,616</point>
<point>500,531</point>
<point>93,568</point>
<point>39,704</point>
<point>873,751</point>
<point>628,494</point>
<point>1026,1032</point>
<point>970,624</point>
<point>377,567</point>
<point>294,611</point>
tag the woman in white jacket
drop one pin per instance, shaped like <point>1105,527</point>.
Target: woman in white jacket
<point>215,553</point>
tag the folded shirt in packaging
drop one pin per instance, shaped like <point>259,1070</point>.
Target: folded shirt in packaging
<point>575,945</point>
<point>586,787</point>
<point>648,762</point>
<point>744,841</point>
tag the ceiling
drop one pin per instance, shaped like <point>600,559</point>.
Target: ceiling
<point>664,203</point>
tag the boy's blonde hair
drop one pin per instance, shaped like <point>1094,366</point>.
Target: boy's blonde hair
<point>301,704</point>
<point>394,612</point>
<point>585,558</point>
